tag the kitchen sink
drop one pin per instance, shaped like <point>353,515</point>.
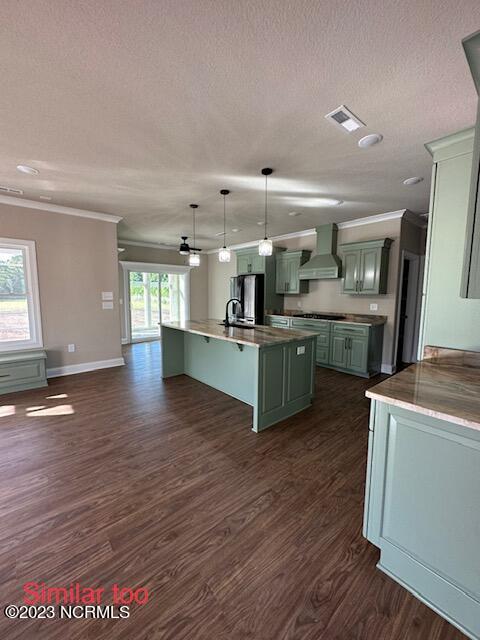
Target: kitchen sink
<point>239,325</point>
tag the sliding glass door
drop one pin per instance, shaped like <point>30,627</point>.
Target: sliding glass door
<point>154,297</point>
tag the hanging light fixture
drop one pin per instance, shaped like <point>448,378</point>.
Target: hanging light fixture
<point>224,253</point>
<point>194,257</point>
<point>265,247</point>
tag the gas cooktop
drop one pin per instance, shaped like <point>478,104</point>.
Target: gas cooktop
<point>319,316</point>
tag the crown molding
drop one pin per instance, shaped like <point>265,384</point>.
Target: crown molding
<point>56,208</point>
<point>254,243</point>
<point>454,144</point>
<point>148,245</point>
<point>381,217</point>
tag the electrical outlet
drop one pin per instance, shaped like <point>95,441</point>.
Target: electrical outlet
<point>374,306</point>
<point>300,351</point>
<point>71,348</point>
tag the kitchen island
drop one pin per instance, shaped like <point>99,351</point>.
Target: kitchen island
<point>422,500</point>
<point>270,369</point>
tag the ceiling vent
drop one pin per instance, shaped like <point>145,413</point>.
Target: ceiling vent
<point>344,119</point>
<point>11,190</point>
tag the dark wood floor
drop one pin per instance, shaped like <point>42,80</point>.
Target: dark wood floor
<point>239,536</point>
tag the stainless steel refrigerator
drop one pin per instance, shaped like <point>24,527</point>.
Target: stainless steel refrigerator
<point>250,291</point>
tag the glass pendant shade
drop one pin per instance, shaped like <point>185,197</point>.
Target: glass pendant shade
<point>224,255</point>
<point>265,247</point>
<point>194,260</point>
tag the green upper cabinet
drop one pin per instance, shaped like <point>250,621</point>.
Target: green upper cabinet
<point>249,261</point>
<point>471,266</point>
<point>287,265</point>
<point>365,266</point>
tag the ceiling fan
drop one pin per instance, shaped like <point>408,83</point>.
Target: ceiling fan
<point>185,248</point>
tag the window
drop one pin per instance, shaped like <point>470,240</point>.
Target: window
<point>20,326</point>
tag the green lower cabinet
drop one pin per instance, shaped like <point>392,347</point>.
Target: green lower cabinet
<point>323,345</point>
<point>349,347</point>
<point>338,352</point>
<point>422,509</point>
<point>22,370</point>
<point>358,355</point>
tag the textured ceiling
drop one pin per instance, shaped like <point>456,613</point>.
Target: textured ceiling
<point>137,108</point>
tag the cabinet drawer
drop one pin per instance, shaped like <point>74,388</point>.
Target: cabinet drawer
<point>278,321</point>
<point>21,373</point>
<point>312,325</point>
<point>350,329</point>
<point>323,340</point>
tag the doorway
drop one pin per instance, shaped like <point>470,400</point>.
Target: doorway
<point>411,276</point>
<point>152,294</point>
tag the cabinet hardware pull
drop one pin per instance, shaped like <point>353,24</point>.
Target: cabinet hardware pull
<point>361,285</point>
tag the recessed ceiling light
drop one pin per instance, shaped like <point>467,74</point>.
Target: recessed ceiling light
<point>23,168</point>
<point>294,213</point>
<point>120,249</point>
<point>370,140</point>
<point>260,223</point>
<point>344,119</point>
<point>235,230</point>
<point>45,198</point>
<point>414,180</point>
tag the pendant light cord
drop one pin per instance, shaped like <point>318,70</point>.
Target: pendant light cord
<point>224,224</point>
<point>194,242</point>
<point>266,191</point>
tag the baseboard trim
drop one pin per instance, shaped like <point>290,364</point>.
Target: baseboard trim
<point>389,369</point>
<point>82,367</point>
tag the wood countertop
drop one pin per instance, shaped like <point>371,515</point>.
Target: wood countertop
<point>260,336</point>
<point>445,385</point>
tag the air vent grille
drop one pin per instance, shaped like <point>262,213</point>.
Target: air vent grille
<point>344,119</point>
<point>11,190</point>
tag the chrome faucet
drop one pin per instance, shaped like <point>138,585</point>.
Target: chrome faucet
<point>226,322</point>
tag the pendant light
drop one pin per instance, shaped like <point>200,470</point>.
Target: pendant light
<point>224,253</point>
<point>265,247</point>
<point>194,258</point>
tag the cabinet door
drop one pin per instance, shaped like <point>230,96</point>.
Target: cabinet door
<point>323,344</point>
<point>257,263</point>
<point>338,351</point>
<point>351,271</point>
<point>280,275</point>
<point>243,263</point>
<point>357,354</point>
<point>293,281</point>
<point>369,275</point>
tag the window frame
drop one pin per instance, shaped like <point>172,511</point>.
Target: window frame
<point>32,293</point>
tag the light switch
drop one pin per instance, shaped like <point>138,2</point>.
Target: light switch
<point>71,348</point>
<point>300,350</point>
<point>107,305</point>
<point>374,306</point>
<point>107,295</point>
